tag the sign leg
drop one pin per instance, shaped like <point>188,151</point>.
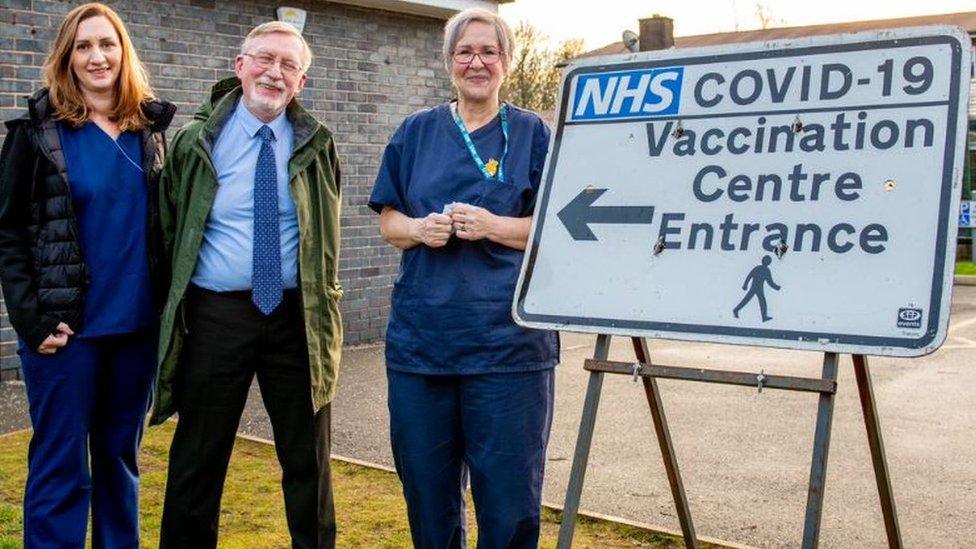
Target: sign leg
<point>583,442</point>
<point>667,448</point>
<point>818,467</point>
<point>868,405</point>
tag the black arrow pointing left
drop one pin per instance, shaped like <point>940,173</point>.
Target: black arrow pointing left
<point>580,213</point>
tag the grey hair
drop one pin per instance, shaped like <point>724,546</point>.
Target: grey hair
<point>272,27</point>
<point>455,26</point>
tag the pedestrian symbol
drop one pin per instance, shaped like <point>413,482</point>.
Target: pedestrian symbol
<point>755,282</point>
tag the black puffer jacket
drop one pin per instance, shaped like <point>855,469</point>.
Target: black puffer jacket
<point>41,265</point>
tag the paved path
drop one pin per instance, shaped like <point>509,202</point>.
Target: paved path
<point>745,456</point>
<point>13,407</point>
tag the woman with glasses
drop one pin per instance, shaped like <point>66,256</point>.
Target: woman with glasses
<point>470,392</point>
<point>78,254</point>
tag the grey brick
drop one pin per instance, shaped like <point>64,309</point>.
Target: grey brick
<point>28,73</point>
<point>31,18</point>
<point>31,45</point>
<point>52,7</point>
<point>15,86</point>
<point>361,86</point>
<point>16,4</point>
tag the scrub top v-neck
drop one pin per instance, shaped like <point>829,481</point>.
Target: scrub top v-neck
<point>111,201</point>
<point>451,310</point>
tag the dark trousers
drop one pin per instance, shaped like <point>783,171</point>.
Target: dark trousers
<point>229,342</point>
<point>88,401</point>
<point>492,428</point>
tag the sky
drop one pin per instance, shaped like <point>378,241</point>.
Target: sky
<point>602,22</point>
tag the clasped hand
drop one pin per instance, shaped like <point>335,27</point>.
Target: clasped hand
<point>471,222</point>
<point>466,221</point>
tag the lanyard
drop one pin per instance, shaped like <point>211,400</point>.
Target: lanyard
<point>121,150</point>
<point>494,166</point>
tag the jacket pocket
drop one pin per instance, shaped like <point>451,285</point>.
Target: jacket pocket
<point>334,291</point>
<point>330,334</point>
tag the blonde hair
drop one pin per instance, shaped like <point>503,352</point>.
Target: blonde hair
<point>455,26</point>
<point>272,27</point>
<point>131,89</point>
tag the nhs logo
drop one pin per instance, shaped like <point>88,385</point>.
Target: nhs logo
<point>628,94</point>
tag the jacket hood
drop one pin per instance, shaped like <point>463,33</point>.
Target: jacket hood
<point>217,92</point>
<point>39,108</point>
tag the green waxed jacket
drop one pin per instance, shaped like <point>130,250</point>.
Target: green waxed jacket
<point>187,188</point>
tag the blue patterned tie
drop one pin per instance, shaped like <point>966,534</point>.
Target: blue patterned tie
<point>266,275</point>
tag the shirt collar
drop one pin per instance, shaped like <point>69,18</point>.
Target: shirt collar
<point>251,124</point>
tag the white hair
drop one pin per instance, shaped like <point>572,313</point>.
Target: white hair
<point>281,27</point>
<point>455,26</point>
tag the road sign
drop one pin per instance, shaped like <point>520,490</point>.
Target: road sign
<point>966,220</point>
<point>799,194</point>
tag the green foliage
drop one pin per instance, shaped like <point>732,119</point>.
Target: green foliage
<point>534,77</point>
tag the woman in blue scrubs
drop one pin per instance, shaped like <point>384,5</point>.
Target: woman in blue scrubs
<point>78,268</point>
<point>470,393</point>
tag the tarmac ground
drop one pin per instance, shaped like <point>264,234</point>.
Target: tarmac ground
<point>744,455</point>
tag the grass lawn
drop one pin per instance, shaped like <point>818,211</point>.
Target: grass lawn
<point>369,507</point>
<point>965,268</point>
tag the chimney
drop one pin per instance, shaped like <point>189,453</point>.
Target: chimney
<point>656,33</point>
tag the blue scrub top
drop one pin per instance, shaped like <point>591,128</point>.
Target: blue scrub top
<point>451,311</point>
<point>111,202</point>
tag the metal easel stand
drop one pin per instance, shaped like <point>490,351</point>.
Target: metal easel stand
<point>826,386</point>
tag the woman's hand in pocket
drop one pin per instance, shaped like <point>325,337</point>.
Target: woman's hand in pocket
<point>57,340</point>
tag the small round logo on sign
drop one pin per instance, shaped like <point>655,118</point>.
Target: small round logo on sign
<point>910,315</point>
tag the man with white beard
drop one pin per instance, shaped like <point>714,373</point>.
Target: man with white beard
<point>250,218</point>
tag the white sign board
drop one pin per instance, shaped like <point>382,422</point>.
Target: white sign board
<point>800,194</point>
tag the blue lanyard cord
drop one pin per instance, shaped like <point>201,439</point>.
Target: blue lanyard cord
<point>127,157</point>
<point>503,114</point>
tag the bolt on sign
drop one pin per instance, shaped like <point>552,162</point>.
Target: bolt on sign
<point>800,194</point>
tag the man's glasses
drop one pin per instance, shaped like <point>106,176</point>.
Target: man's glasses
<point>488,57</point>
<point>266,61</point>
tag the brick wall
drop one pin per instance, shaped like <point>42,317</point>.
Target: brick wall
<point>371,69</point>
<point>8,349</point>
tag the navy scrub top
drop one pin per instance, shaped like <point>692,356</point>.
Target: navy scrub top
<point>451,310</point>
<point>111,202</point>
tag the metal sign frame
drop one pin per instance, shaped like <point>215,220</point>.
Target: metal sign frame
<point>934,330</point>
<point>825,386</point>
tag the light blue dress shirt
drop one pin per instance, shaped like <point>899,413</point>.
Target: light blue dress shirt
<point>225,260</point>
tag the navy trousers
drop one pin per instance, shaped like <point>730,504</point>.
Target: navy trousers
<point>493,428</point>
<point>88,399</point>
